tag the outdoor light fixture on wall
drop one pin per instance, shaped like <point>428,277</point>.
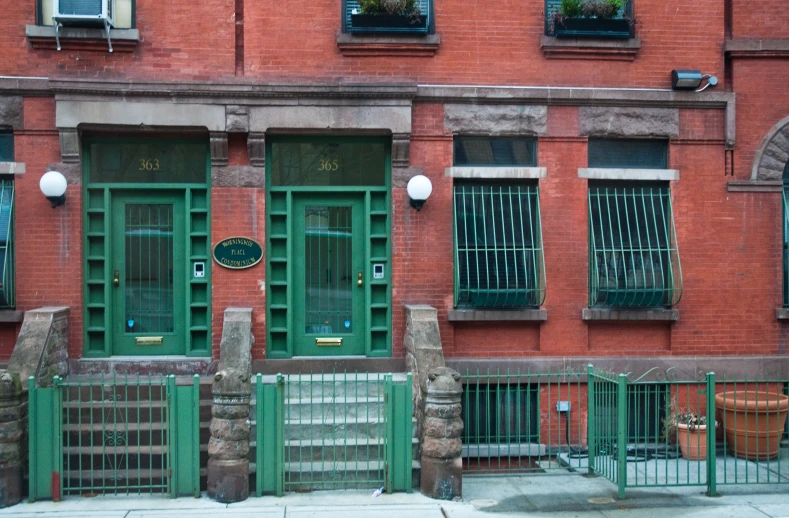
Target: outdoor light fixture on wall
<point>691,80</point>
<point>53,185</point>
<point>419,189</point>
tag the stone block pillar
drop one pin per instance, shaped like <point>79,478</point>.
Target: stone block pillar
<point>228,447</point>
<point>12,454</point>
<point>442,466</point>
<point>423,352</point>
<point>41,348</point>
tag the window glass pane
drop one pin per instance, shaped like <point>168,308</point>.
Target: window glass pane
<point>6,147</point>
<point>499,254</point>
<point>628,153</point>
<point>148,161</point>
<point>329,163</point>
<point>633,255</point>
<point>495,151</point>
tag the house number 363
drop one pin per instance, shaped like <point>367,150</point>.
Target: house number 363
<point>151,164</point>
<point>329,164</point>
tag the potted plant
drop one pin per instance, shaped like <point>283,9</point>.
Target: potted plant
<point>591,18</point>
<point>753,422</point>
<point>691,433</point>
<point>388,15</point>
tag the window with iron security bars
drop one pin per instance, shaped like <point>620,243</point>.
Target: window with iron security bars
<point>633,255</point>
<point>499,259</point>
<point>7,267</point>
<point>371,16</point>
<point>628,153</point>
<point>498,413</point>
<point>601,19</point>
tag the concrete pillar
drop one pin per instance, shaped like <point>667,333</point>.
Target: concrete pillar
<point>442,466</point>
<point>228,447</point>
<point>41,348</point>
<point>11,432</point>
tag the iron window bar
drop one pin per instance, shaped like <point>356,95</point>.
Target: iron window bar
<point>7,276</point>
<point>424,25</point>
<point>499,260</point>
<point>786,245</point>
<point>633,255</point>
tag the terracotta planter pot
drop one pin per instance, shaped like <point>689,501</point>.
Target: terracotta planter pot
<point>753,422</point>
<point>693,443</point>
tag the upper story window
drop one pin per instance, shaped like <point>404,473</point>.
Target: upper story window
<point>786,234</point>
<point>628,153</point>
<point>6,146</point>
<point>122,12</point>
<point>388,16</point>
<point>589,18</point>
<point>499,259</point>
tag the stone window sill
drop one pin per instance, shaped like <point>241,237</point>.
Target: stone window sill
<point>782,313</point>
<point>515,315</point>
<point>636,315</point>
<point>590,48</point>
<point>754,186</point>
<point>12,168</point>
<point>519,173</point>
<point>604,173</point>
<point>363,45</point>
<point>74,38</point>
<point>11,316</point>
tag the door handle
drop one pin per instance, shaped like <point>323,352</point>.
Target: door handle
<point>116,280</point>
<point>359,281</point>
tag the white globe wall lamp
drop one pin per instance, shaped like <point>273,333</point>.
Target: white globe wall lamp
<point>419,189</point>
<point>53,185</point>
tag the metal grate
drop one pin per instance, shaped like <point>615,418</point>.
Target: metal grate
<point>149,268</point>
<point>115,435</point>
<point>7,265</point>
<point>498,246</point>
<point>633,255</point>
<point>628,153</point>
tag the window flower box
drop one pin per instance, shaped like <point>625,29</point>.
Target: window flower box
<point>388,22</point>
<point>592,28</point>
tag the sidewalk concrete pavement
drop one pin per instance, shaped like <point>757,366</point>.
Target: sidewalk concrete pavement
<point>569,495</point>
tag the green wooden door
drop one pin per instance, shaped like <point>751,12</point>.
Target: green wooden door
<point>329,275</point>
<point>148,277</point>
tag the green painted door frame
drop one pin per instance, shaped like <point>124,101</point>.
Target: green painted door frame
<point>147,268</point>
<point>328,274</point>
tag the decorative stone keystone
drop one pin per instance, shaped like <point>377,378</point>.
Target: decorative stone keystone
<point>11,432</point>
<point>442,466</point>
<point>228,447</point>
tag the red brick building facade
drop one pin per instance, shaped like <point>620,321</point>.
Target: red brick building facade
<point>241,77</point>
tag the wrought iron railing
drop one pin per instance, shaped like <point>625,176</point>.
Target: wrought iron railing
<point>523,421</point>
<point>633,254</point>
<point>786,246</point>
<point>499,260</point>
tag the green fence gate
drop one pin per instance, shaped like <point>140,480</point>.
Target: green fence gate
<point>332,431</point>
<point>114,435</point>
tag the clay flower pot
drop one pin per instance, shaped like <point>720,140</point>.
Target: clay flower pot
<point>753,422</point>
<point>692,441</point>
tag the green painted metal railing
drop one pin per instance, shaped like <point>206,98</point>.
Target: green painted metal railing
<point>633,255</point>
<point>114,435</point>
<point>499,259</point>
<point>523,421</point>
<point>7,274</point>
<point>332,431</point>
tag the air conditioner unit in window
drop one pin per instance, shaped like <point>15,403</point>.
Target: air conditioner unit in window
<point>83,13</point>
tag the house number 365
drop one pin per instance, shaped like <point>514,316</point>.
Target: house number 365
<point>329,164</point>
<point>151,164</point>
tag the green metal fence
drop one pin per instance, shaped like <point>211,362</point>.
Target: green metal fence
<point>114,435</point>
<point>523,421</point>
<point>633,254</point>
<point>687,431</point>
<point>332,431</point>
<point>498,246</point>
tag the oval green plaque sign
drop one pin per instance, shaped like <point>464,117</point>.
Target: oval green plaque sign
<point>238,252</point>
